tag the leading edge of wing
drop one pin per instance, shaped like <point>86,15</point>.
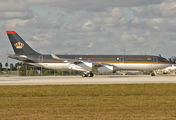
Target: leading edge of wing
<point>66,59</point>
<point>73,61</point>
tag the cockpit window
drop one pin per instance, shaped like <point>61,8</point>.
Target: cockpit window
<point>165,59</point>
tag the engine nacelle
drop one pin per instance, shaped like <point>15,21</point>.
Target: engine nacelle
<point>106,69</point>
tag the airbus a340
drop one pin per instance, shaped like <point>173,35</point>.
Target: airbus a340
<point>86,63</point>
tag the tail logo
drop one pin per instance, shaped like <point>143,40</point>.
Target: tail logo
<point>19,45</point>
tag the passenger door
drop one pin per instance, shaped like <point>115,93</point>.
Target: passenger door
<point>155,60</point>
<point>121,60</point>
<point>40,58</point>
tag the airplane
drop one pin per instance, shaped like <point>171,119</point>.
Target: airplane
<point>86,63</point>
<point>170,69</point>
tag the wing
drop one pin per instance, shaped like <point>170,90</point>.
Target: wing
<point>73,61</point>
<point>66,59</point>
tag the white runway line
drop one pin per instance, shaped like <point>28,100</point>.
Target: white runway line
<point>67,80</point>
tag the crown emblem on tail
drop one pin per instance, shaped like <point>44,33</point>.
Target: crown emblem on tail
<point>19,45</point>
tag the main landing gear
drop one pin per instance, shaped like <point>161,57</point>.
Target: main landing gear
<point>87,74</point>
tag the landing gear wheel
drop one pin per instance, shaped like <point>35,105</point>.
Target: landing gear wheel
<point>153,74</point>
<point>90,75</point>
<point>84,75</point>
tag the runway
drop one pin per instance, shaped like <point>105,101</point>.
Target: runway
<point>103,79</point>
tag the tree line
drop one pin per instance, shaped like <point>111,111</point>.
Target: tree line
<point>25,69</point>
<point>12,67</point>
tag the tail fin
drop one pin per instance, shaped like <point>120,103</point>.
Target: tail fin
<point>20,47</point>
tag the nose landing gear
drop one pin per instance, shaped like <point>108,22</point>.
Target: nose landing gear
<point>153,73</point>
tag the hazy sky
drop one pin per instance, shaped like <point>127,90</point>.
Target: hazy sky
<point>94,26</point>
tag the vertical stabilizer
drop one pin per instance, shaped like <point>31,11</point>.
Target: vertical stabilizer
<point>20,47</point>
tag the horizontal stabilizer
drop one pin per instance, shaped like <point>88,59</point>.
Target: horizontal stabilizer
<point>20,57</point>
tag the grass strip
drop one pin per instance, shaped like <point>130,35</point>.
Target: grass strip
<point>120,101</point>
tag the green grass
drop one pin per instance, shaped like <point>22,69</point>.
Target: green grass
<point>123,101</point>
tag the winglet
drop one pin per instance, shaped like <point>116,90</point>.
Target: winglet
<point>55,57</point>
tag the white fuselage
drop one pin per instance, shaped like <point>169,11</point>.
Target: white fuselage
<point>119,66</point>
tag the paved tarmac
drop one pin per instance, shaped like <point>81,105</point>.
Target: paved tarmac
<point>103,79</point>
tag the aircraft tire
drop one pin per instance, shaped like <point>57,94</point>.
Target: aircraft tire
<point>84,75</point>
<point>153,74</point>
<point>91,74</point>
